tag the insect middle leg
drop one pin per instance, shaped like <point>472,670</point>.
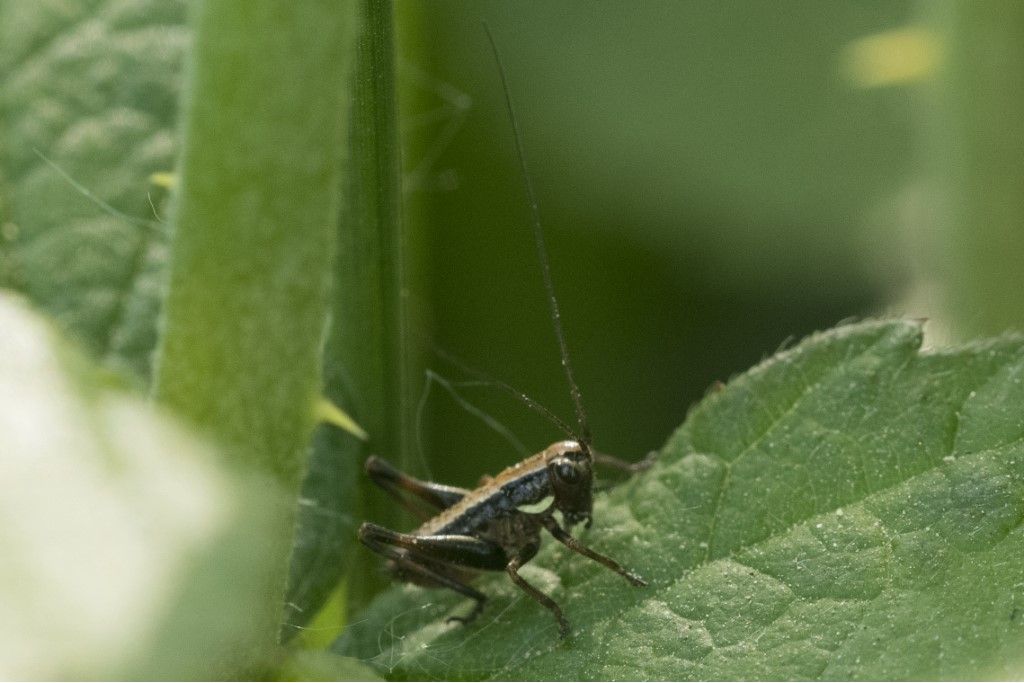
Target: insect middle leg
<point>425,559</point>
<point>543,599</point>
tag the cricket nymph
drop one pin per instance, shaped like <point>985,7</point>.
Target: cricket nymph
<point>561,472</point>
<point>492,527</point>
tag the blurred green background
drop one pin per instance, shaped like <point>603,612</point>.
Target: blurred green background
<point>714,179</point>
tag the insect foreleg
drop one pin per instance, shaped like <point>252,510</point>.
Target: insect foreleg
<point>568,541</point>
<point>383,474</point>
<point>513,573</point>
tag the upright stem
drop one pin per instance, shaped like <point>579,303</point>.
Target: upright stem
<point>973,140</point>
<point>253,236</point>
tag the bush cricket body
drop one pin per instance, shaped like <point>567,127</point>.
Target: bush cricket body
<point>495,527</point>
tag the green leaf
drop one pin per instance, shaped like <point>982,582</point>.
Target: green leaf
<point>256,206</point>
<point>257,197</point>
<point>305,665</point>
<point>365,346</point>
<point>88,124</point>
<point>93,87</point>
<point>130,550</point>
<point>850,508</point>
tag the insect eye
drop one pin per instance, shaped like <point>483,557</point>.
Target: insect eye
<point>567,473</point>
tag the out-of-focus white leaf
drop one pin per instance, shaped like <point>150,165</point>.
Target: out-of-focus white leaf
<point>105,505</point>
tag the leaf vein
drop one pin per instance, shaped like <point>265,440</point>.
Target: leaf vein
<point>836,371</point>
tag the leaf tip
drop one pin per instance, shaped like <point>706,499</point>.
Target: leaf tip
<point>328,412</point>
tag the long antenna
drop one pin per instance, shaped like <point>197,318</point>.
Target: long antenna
<point>486,380</point>
<point>542,250</point>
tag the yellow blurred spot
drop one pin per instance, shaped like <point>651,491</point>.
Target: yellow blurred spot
<point>897,57</point>
<point>332,414</point>
<point>164,179</point>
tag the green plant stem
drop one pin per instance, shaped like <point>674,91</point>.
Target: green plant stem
<point>366,344</point>
<point>365,351</point>
<point>973,140</point>
<point>251,256</point>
